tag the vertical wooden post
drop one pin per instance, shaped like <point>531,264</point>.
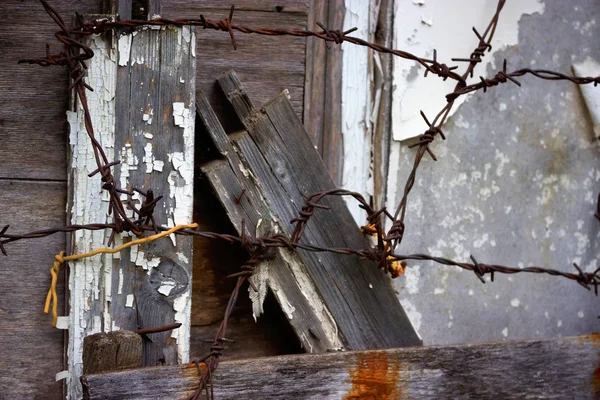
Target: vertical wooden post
<point>143,112</point>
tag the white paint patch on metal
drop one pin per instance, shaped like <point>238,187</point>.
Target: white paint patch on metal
<point>421,27</point>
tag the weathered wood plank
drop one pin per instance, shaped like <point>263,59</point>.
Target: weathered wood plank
<point>112,351</point>
<point>266,64</point>
<point>242,197</point>
<point>144,90</point>
<point>274,7</point>
<point>555,368</point>
<point>34,99</point>
<point>155,126</point>
<point>214,260</point>
<point>314,77</point>
<point>31,350</point>
<point>284,161</point>
<point>382,78</point>
<point>332,147</point>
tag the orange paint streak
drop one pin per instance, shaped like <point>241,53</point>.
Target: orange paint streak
<point>375,376</point>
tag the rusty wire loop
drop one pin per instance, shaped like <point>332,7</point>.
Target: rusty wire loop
<point>384,252</point>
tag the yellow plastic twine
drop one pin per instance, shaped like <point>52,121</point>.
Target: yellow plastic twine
<point>60,259</point>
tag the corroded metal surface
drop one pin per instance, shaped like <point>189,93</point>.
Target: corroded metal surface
<point>515,183</point>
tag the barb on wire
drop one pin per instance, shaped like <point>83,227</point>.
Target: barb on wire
<point>585,279</point>
<point>503,77</point>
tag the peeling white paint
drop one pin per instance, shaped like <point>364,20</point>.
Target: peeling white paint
<point>415,31</point>
<point>61,375</point>
<point>166,286</point>
<point>356,107</point>
<point>63,322</point>
<point>182,306</point>
<point>91,279</point>
<point>148,157</point>
<point>505,331</point>
<point>124,49</point>
<point>89,275</point>
<point>515,302</point>
<point>181,188</point>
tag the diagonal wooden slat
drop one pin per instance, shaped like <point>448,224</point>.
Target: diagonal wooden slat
<point>277,163</point>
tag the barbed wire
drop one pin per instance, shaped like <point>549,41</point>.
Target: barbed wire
<point>384,253</point>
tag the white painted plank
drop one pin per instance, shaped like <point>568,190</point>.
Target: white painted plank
<point>356,106</point>
<point>88,298</point>
<point>147,72</point>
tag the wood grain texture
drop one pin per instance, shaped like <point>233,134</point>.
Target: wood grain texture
<point>548,369</point>
<point>284,161</point>
<point>269,64</point>
<point>213,261</point>
<point>272,6</point>
<point>147,125</point>
<point>382,133</point>
<point>266,64</point>
<point>332,147</point>
<point>314,77</point>
<point>247,207</point>
<point>140,108</point>
<point>34,99</point>
<point>112,351</point>
<point>31,350</point>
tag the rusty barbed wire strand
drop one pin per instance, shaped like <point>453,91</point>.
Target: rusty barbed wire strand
<point>226,25</point>
<point>74,57</point>
<point>397,229</point>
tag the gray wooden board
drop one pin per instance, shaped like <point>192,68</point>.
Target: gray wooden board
<point>565,368</point>
<point>274,7</point>
<point>281,156</point>
<point>243,198</point>
<point>31,350</point>
<point>267,64</point>
<point>34,99</point>
<point>166,74</point>
<point>112,351</point>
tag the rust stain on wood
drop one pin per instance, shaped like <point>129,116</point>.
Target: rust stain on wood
<point>375,375</point>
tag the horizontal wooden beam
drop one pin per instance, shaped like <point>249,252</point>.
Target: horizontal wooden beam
<point>558,368</point>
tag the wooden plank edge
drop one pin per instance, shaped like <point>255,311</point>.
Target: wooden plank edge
<point>560,367</point>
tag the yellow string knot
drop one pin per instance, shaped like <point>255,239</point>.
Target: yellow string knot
<point>59,260</point>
